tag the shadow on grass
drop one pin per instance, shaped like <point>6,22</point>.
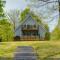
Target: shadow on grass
<point>6,58</point>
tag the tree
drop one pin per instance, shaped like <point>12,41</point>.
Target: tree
<point>47,34</point>
<point>2,3</point>
<point>55,35</point>
<point>27,12</point>
<point>48,10</point>
<point>6,31</point>
<point>53,2</point>
<point>13,16</point>
<point>24,13</point>
<point>51,7</point>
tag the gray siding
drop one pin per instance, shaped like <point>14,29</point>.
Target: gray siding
<point>30,21</point>
<point>42,32</point>
<point>18,32</point>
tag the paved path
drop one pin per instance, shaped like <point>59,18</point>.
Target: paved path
<point>25,53</point>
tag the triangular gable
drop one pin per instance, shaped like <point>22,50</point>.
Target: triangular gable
<point>27,17</point>
<point>22,22</point>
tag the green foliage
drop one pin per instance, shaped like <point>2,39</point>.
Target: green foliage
<point>2,3</point>
<point>47,34</point>
<point>56,34</point>
<point>6,32</point>
<point>27,11</point>
<point>36,17</point>
<point>46,26</point>
<point>23,14</point>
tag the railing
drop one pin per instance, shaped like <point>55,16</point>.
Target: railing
<point>29,38</point>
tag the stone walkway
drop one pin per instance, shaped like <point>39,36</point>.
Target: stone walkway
<point>25,53</point>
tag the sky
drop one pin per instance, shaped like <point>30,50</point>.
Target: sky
<point>21,5</point>
<point>13,4</point>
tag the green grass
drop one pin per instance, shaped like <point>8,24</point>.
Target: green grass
<point>45,49</point>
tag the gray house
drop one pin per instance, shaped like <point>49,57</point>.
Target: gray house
<point>30,29</point>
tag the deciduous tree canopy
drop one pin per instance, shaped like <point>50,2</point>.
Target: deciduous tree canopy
<point>2,3</point>
<point>6,31</point>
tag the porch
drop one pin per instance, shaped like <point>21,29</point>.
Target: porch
<point>30,33</point>
<point>29,38</point>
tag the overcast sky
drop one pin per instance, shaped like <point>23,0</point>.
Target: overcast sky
<point>13,4</point>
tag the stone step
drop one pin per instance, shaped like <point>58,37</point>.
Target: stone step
<point>24,59</point>
<point>25,53</point>
<point>24,49</point>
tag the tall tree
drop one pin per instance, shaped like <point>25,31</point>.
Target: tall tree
<point>51,5</point>
<point>13,16</point>
<point>23,13</point>
<point>6,31</point>
<point>48,10</point>
<point>2,3</point>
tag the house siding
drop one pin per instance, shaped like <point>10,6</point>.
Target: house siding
<point>18,32</point>
<point>31,21</point>
<point>41,32</point>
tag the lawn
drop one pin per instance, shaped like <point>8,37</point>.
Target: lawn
<point>46,49</point>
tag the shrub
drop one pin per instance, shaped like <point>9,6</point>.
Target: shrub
<point>47,34</point>
<point>6,31</point>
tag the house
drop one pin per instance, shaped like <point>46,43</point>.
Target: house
<point>30,29</point>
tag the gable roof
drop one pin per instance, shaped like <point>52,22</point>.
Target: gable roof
<point>34,17</point>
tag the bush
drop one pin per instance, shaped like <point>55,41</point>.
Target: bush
<point>55,34</point>
<point>6,31</point>
<point>47,34</point>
